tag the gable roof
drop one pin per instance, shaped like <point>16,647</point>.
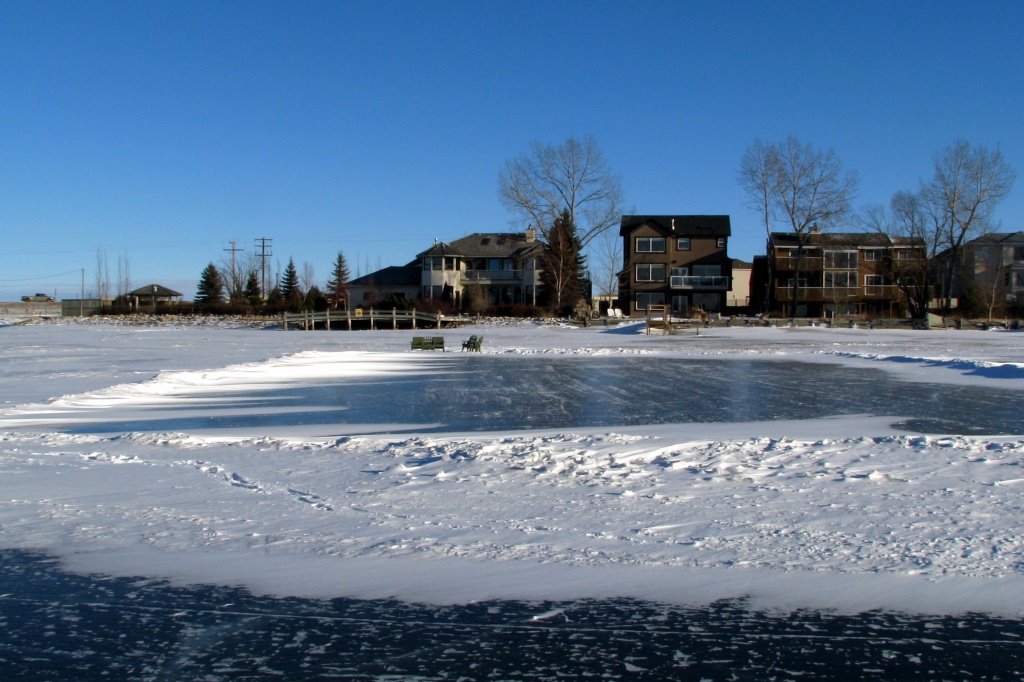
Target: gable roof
<point>683,225</point>
<point>485,245</point>
<point>154,290</point>
<point>1011,238</point>
<point>391,276</point>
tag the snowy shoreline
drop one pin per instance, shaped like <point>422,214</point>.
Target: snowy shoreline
<point>844,513</point>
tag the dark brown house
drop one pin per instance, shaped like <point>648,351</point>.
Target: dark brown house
<point>680,261</point>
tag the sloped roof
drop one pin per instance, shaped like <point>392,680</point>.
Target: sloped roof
<point>1000,238</point>
<point>484,245</point>
<point>844,240</point>
<point>155,289</point>
<point>683,225</point>
<point>391,276</point>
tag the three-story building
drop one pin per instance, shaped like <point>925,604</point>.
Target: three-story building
<point>678,261</point>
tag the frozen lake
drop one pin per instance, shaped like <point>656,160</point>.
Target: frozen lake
<point>509,392</point>
<point>239,504</point>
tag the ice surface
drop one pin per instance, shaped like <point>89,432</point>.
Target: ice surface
<point>846,513</point>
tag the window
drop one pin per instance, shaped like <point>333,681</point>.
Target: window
<point>644,299</point>
<point>720,243</point>
<point>650,245</point>
<point>682,243</point>
<point>800,282</point>
<point>707,270</point>
<point>680,272</point>
<point>843,279</point>
<point>873,280</point>
<point>1018,253</point>
<point>907,254</point>
<point>841,259</point>
<point>874,254</point>
<point>650,272</point>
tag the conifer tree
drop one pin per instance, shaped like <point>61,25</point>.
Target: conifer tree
<point>211,287</point>
<point>290,284</point>
<point>252,289</point>
<point>561,274</point>
<point>337,285</point>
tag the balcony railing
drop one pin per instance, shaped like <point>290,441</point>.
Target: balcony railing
<point>497,275</point>
<point>832,294</point>
<point>699,282</point>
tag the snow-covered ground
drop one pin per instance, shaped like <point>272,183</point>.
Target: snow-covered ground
<point>844,513</point>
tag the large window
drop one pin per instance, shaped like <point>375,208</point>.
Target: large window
<point>650,272</point>
<point>707,270</point>
<point>644,299</point>
<point>650,245</point>
<point>843,279</point>
<point>840,260</point>
<point>873,280</point>
<point>682,243</point>
<point>874,254</point>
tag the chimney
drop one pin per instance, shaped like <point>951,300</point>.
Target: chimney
<point>530,234</point>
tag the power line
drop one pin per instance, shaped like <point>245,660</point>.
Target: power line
<point>263,244</point>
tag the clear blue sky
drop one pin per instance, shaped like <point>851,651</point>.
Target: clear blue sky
<point>153,133</point>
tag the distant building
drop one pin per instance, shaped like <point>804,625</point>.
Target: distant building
<point>990,276</point>
<point>152,296</point>
<point>680,261</point>
<point>738,298</point>
<point>484,268</point>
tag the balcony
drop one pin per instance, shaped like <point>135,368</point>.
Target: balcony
<point>699,282</point>
<point>493,276</point>
<point>871,292</point>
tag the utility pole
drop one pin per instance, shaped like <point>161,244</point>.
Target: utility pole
<point>263,244</point>
<point>235,284</point>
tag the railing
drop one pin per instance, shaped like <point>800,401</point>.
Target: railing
<point>496,275</point>
<point>827,294</point>
<point>699,282</point>
<point>807,263</point>
<point>368,318</point>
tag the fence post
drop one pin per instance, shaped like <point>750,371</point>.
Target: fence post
<point>372,327</point>
<point>327,319</point>
<point>348,318</point>
<point>394,318</point>
<point>284,321</point>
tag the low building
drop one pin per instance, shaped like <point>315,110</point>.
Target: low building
<point>679,261</point>
<point>152,296</point>
<point>395,284</point>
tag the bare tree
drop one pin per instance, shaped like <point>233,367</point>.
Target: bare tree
<point>803,188</point>
<point>757,177</point>
<point>573,177</point>
<point>907,224</point>
<point>606,255</point>
<point>967,185</point>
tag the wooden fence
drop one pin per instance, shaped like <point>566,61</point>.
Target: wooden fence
<point>364,319</point>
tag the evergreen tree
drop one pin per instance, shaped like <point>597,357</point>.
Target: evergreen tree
<point>211,287</point>
<point>561,275</point>
<point>289,285</point>
<point>252,289</point>
<point>337,285</point>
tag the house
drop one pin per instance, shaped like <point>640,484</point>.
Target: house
<point>676,260</point>
<point>738,298</point>
<point>489,268</point>
<point>392,284</point>
<point>479,270</point>
<point>990,279</point>
<point>841,273</point>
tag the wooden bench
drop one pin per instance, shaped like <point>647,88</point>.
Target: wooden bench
<point>473,343</point>
<point>428,343</point>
